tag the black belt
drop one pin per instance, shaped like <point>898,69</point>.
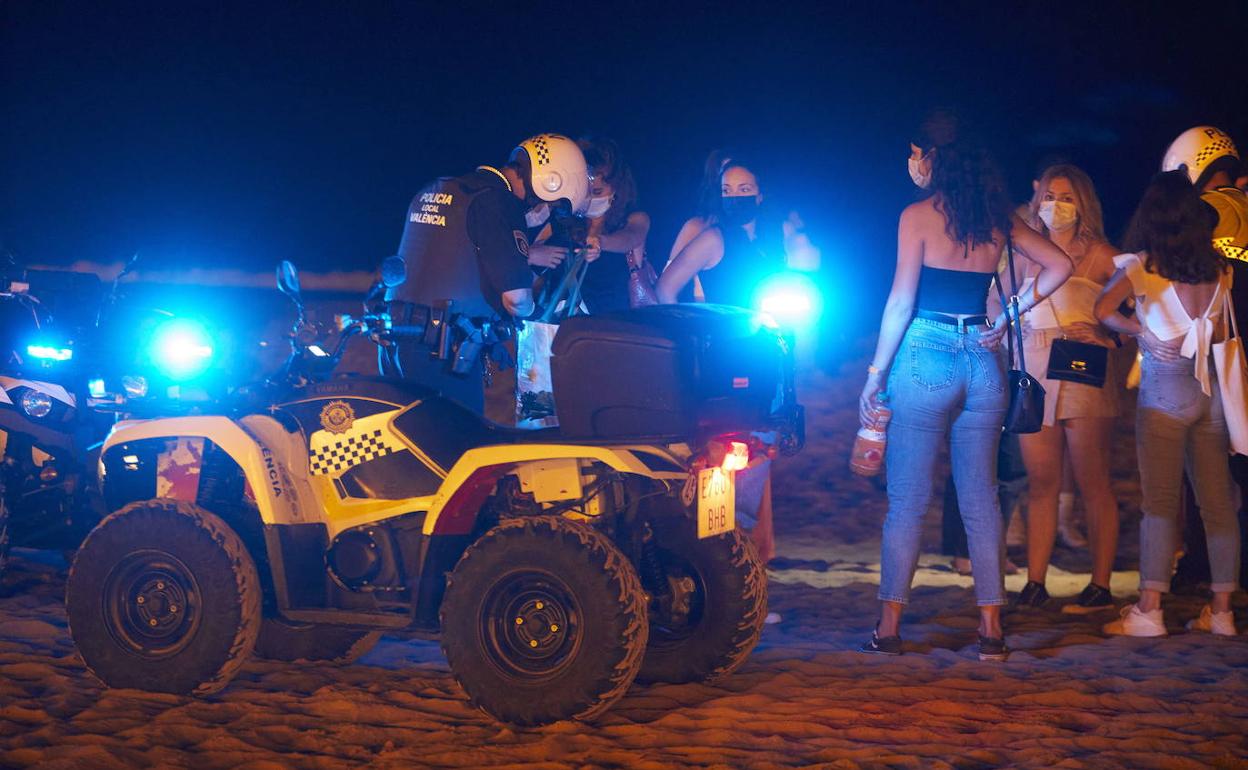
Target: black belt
<point>962,324</point>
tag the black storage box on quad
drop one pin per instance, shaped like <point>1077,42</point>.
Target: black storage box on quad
<point>667,371</point>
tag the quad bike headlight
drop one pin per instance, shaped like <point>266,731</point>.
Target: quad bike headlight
<point>35,404</point>
<point>134,386</point>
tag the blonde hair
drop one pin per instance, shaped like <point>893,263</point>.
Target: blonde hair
<point>1091,221</point>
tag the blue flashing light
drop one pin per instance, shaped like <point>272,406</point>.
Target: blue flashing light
<point>95,388</point>
<point>791,298</point>
<point>181,348</point>
<point>49,352</point>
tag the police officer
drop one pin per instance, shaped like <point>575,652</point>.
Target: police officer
<point>1211,161</point>
<point>465,240</point>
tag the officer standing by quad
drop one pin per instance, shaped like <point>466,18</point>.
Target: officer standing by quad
<point>466,247</point>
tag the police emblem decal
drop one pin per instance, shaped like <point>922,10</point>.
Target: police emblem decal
<point>522,242</point>
<point>337,417</point>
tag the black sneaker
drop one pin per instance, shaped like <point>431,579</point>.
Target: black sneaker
<point>1033,595</point>
<point>881,645</point>
<point>993,649</point>
<point>1093,599</point>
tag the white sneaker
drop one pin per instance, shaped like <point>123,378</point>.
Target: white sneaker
<point>1135,622</point>
<point>1220,623</point>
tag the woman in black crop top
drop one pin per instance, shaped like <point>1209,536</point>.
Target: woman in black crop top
<point>938,356</point>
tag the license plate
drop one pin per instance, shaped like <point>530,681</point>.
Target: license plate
<point>717,502</point>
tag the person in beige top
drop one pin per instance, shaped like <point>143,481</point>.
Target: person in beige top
<point>1078,418</point>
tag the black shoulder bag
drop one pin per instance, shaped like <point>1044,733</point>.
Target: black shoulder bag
<point>1025,413</point>
<point>1075,361</point>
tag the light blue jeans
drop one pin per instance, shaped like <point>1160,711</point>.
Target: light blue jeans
<point>1178,426</point>
<point>944,386</point>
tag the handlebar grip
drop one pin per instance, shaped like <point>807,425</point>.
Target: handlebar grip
<point>406,332</point>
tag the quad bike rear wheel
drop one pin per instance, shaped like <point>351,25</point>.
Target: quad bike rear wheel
<point>544,619</point>
<point>708,615</point>
<point>163,596</point>
<point>310,643</point>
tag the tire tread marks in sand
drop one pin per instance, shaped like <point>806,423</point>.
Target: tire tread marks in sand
<point>283,641</point>
<point>614,627</point>
<point>734,612</point>
<point>230,601</point>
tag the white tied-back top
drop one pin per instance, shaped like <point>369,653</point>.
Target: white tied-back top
<point>1162,312</point>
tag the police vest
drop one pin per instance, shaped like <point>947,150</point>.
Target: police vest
<point>441,258</point>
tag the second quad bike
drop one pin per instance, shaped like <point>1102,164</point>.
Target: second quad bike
<point>327,510</point>
<point>70,368</point>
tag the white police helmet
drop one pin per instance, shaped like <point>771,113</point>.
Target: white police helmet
<point>557,169</point>
<point>1196,148</point>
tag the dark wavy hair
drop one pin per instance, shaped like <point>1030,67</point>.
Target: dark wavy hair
<point>1172,229</point>
<point>970,191</point>
<point>709,189</point>
<point>602,156</point>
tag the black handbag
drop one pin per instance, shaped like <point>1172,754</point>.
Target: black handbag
<point>1025,413</point>
<point>1080,362</point>
<point>1075,361</point>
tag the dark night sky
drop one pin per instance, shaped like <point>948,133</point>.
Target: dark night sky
<point>241,133</point>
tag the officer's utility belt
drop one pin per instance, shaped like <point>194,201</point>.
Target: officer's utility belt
<point>456,338</point>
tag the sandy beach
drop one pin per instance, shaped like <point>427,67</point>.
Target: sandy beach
<point>1068,697</point>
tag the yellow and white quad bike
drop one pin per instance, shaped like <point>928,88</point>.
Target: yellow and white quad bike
<point>325,511</point>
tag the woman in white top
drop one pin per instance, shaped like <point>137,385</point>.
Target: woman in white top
<point>1079,418</point>
<point>1180,284</point>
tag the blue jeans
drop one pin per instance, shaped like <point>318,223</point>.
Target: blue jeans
<point>1178,426</point>
<point>943,383</point>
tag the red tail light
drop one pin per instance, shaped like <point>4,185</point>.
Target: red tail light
<point>737,456</point>
<point>727,454</point>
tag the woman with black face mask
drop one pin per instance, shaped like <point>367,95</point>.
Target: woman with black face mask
<point>732,257</point>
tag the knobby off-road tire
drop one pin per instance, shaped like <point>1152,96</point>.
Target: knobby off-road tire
<point>544,619</point>
<point>291,642</point>
<point>163,596</point>
<point>720,621</point>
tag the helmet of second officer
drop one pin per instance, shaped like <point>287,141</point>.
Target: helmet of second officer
<point>1196,149</point>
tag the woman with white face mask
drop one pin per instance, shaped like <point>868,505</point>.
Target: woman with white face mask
<point>1079,418</point>
<point>613,229</point>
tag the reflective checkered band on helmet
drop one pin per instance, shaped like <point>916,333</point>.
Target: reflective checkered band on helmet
<point>543,150</point>
<point>348,452</point>
<point>1229,249</point>
<point>1220,146</point>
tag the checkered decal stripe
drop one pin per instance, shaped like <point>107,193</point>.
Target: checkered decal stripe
<point>1229,249</point>
<point>1216,147</point>
<point>348,452</point>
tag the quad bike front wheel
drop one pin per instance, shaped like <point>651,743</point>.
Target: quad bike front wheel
<point>163,596</point>
<point>544,619</point>
<point>707,615</point>
<point>311,643</point>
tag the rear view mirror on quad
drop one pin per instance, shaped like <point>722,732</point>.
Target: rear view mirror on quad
<point>393,272</point>
<point>288,281</point>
